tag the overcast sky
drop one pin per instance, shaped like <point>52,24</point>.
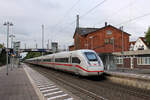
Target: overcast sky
<point>58,17</point>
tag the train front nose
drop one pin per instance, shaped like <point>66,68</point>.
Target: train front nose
<point>95,70</point>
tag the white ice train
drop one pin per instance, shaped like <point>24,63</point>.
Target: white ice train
<point>81,62</point>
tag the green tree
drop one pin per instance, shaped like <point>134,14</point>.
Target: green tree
<point>1,46</point>
<point>32,55</point>
<point>147,36</point>
<point>3,57</point>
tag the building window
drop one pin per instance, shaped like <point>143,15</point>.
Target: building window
<point>143,60</point>
<point>119,60</point>
<point>108,32</point>
<point>111,40</point>
<point>106,41</point>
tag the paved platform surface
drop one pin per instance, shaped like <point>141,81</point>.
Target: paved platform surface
<point>135,73</point>
<point>48,89</point>
<point>16,85</point>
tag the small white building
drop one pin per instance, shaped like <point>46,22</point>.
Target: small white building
<point>132,45</point>
<point>140,44</point>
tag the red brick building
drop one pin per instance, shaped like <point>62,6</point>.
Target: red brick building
<point>71,48</point>
<point>107,39</point>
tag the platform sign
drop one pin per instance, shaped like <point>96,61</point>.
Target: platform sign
<point>54,46</point>
<point>17,46</point>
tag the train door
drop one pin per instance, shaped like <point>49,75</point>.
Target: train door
<point>70,61</point>
<point>53,62</point>
<point>76,61</point>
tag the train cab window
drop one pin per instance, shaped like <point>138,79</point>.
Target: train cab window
<point>76,60</point>
<point>91,56</point>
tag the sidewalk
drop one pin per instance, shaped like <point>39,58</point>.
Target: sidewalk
<point>16,86</point>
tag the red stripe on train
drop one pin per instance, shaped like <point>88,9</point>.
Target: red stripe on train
<point>78,66</point>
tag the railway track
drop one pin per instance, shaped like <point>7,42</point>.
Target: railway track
<point>93,88</point>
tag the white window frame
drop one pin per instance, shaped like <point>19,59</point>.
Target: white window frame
<point>120,60</point>
<point>108,32</point>
<point>141,60</point>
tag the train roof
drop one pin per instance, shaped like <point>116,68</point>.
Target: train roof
<point>60,53</point>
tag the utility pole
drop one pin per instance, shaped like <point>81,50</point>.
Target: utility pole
<point>77,30</point>
<point>122,40</point>
<point>7,24</point>
<point>122,48</point>
<point>36,45</point>
<point>48,45</point>
<point>25,46</point>
<point>42,38</point>
<point>11,57</point>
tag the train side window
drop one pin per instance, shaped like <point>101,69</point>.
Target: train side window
<point>65,60</point>
<point>76,60</point>
<point>47,60</point>
<point>56,59</point>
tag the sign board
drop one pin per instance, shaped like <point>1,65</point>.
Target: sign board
<point>54,46</point>
<point>17,46</point>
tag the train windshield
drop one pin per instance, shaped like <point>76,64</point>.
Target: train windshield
<point>91,56</point>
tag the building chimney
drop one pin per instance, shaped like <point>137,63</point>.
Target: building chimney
<point>77,23</point>
<point>105,24</point>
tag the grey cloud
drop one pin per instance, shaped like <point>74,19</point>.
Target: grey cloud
<point>29,15</point>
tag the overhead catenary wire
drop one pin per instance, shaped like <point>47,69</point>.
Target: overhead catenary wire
<point>118,11</point>
<point>89,11</point>
<point>135,18</point>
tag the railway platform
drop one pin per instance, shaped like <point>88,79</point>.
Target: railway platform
<point>131,77</point>
<point>16,85</point>
<point>135,73</point>
<point>24,83</point>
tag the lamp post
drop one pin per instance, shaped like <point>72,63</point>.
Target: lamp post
<point>8,24</point>
<point>42,40</point>
<point>12,36</point>
<point>25,46</point>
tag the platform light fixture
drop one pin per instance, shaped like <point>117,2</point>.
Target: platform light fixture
<point>8,24</point>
